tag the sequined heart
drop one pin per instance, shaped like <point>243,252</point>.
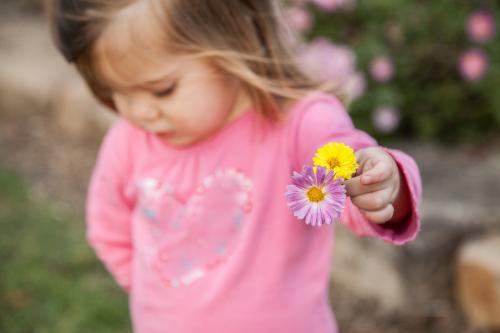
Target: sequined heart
<point>191,237</point>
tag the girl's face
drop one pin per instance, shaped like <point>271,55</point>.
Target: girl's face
<point>182,100</point>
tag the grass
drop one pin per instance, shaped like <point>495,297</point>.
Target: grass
<point>50,280</point>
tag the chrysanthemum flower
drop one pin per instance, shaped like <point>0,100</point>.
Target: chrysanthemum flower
<point>337,157</point>
<point>315,196</point>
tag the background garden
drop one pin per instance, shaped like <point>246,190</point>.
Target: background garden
<point>419,75</point>
<point>415,69</point>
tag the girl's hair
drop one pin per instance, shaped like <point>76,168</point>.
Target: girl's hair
<point>243,38</point>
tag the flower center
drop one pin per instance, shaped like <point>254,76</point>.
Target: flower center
<point>333,162</point>
<point>315,194</point>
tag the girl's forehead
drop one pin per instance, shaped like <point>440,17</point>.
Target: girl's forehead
<point>132,48</point>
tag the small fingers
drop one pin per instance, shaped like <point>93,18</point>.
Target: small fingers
<point>354,187</point>
<point>379,216</point>
<point>372,201</point>
<point>379,173</point>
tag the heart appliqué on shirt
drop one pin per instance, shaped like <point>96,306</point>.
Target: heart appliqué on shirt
<point>191,237</point>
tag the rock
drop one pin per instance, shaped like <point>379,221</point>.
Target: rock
<point>367,268</point>
<point>478,282</point>
<point>29,64</point>
<point>35,78</point>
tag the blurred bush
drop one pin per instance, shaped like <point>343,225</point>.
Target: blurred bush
<point>422,69</point>
<point>412,69</point>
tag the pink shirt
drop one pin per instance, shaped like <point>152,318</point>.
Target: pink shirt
<point>202,238</point>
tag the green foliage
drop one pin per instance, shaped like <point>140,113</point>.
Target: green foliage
<point>50,280</point>
<point>425,40</point>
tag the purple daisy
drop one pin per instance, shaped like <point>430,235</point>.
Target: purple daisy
<point>316,197</point>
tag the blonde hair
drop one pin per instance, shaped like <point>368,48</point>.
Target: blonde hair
<point>243,38</point>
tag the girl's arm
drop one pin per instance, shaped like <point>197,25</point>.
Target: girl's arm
<point>108,208</point>
<point>323,119</point>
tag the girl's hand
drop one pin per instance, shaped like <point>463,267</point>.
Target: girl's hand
<point>377,189</point>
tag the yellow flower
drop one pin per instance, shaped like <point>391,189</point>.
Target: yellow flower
<point>337,157</point>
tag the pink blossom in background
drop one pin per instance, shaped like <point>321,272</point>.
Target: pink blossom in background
<point>481,26</point>
<point>298,18</point>
<point>386,119</point>
<point>328,60</point>
<point>334,63</point>
<point>334,5</point>
<point>473,64</point>
<point>355,86</point>
<point>382,69</point>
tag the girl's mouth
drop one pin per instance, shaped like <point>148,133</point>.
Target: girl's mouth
<point>165,135</point>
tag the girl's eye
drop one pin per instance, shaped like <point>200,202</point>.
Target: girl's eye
<point>165,92</point>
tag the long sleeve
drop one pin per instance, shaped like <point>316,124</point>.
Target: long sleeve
<point>323,119</point>
<point>108,208</point>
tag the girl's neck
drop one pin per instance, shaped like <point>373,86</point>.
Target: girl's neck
<point>242,105</point>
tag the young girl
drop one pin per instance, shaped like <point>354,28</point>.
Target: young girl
<point>186,205</point>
